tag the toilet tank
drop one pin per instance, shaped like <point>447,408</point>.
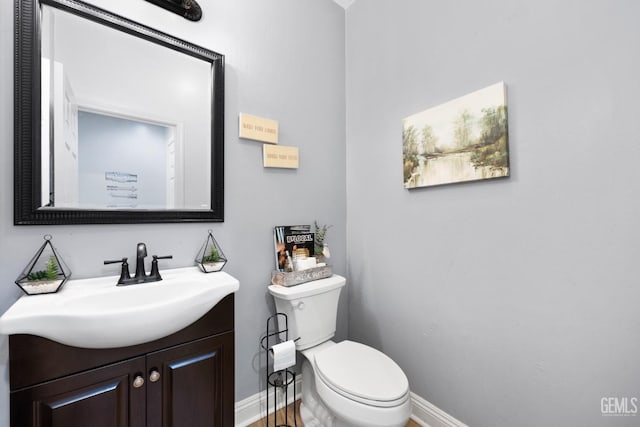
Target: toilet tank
<point>311,309</point>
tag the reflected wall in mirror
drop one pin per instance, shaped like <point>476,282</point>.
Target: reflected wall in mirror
<point>122,124</point>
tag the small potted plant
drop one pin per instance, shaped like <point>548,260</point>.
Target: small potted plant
<point>210,257</point>
<point>46,273</point>
<point>321,249</point>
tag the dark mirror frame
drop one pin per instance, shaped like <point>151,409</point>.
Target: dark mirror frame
<point>27,121</point>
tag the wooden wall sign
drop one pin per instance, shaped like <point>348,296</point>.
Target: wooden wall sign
<point>278,156</point>
<point>258,128</point>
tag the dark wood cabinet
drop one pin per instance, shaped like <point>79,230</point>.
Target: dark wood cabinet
<point>184,380</point>
<point>189,390</point>
<point>102,397</point>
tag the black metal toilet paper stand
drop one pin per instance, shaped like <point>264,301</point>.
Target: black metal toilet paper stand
<point>282,378</point>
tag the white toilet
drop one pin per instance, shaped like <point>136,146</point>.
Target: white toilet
<point>344,384</point>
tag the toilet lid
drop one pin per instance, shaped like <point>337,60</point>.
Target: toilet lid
<point>358,371</point>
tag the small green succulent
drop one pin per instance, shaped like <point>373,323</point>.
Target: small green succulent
<point>50,272</point>
<point>214,255</point>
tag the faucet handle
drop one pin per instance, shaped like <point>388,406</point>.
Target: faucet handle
<point>116,261</point>
<point>155,272</point>
<point>124,273</point>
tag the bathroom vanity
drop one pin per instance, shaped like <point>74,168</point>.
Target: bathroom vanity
<point>153,354</point>
<point>186,378</point>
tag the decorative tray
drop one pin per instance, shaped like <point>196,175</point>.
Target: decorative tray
<point>298,277</point>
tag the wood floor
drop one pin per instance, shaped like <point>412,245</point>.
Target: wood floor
<point>291,421</point>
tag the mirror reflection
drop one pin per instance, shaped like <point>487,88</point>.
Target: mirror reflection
<point>125,123</point>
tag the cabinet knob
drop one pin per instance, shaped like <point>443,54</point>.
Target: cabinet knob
<point>138,381</point>
<point>154,376</point>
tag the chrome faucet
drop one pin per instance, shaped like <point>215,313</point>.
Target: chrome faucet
<point>141,276</point>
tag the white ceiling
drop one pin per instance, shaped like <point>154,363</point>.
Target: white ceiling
<point>345,3</point>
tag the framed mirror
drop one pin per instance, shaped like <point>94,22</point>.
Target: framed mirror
<point>115,122</point>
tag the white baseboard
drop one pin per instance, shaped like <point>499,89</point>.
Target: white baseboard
<point>428,415</point>
<point>254,408</point>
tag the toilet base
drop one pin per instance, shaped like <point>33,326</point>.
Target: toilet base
<point>309,420</point>
<point>313,413</point>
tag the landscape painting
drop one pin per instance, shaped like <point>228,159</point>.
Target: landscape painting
<point>461,140</point>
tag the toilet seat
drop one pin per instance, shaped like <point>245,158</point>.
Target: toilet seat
<point>363,374</point>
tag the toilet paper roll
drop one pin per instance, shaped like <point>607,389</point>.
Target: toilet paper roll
<point>284,355</point>
<point>305,263</point>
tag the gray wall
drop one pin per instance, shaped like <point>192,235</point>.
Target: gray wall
<point>285,60</point>
<point>516,300</point>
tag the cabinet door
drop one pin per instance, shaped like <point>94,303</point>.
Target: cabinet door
<point>103,397</point>
<point>194,387</point>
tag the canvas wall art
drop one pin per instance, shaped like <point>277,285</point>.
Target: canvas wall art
<point>464,139</point>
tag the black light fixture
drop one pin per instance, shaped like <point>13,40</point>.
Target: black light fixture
<point>189,9</point>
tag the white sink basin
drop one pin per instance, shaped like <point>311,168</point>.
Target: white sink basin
<point>95,313</point>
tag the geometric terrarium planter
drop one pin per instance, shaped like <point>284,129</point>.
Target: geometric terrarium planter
<point>45,273</point>
<point>210,257</point>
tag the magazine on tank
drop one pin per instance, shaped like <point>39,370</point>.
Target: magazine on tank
<point>292,241</point>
